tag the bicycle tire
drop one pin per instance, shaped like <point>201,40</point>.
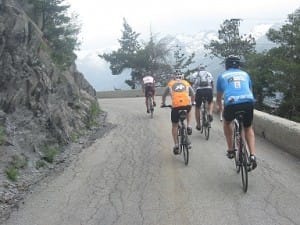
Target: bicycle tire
<point>236,148</point>
<point>244,171</point>
<point>206,130</point>
<point>237,161</point>
<point>179,138</point>
<point>203,122</point>
<point>184,146</point>
<point>243,165</point>
<point>150,106</point>
<point>185,150</point>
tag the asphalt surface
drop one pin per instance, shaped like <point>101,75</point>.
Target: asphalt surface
<point>130,176</point>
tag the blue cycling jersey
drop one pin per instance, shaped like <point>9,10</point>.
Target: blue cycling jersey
<point>236,86</point>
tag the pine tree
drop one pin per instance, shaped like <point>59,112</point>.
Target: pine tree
<point>286,64</point>
<point>230,41</point>
<point>59,29</point>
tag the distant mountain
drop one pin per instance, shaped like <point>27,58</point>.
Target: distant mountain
<point>97,71</point>
<point>195,43</point>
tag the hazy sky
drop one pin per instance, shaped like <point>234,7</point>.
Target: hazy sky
<point>102,25</point>
<point>102,20</point>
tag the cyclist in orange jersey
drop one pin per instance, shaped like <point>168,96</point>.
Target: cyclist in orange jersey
<point>182,95</point>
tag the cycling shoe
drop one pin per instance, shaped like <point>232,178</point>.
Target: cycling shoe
<point>253,162</point>
<point>189,130</point>
<point>230,154</point>
<point>176,150</point>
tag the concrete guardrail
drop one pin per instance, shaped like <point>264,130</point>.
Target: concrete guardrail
<point>279,131</point>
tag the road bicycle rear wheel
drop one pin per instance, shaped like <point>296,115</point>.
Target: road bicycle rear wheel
<point>184,146</point>
<point>185,150</point>
<point>237,161</point>
<point>244,170</point>
<point>150,106</point>
<point>203,123</point>
<point>207,128</point>
<point>236,149</point>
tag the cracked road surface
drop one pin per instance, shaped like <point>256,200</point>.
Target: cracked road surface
<point>130,176</point>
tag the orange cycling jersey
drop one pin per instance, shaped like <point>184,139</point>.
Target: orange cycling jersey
<point>179,90</point>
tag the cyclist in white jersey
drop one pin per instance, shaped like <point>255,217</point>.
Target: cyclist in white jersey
<point>203,86</point>
<point>149,88</point>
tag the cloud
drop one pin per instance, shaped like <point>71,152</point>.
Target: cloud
<point>102,25</point>
<point>98,74</point>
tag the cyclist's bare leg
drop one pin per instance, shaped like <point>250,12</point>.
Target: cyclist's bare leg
<point>221,114</point>
<point>228,132</point>
<point>174,133</point>
<point>250,138</point>
<point>188,119</point>
<point>210,107</point>
<point>146,104</point>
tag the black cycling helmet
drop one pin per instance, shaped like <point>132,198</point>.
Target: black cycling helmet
<point>232,61</point>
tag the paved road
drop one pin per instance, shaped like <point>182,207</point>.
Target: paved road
<point>131,177</point>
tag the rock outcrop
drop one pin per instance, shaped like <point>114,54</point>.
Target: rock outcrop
<point>41,105</point>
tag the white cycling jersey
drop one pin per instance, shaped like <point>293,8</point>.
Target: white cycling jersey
<point>202,79</point>
<point>148,80</point>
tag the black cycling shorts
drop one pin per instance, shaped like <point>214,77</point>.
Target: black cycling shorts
<point>149,90</point>
<point>204,92</point>
<point>247,107</point>
<point>175,112</point>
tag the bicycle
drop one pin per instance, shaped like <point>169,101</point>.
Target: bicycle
<point>242,156</point>
<point>150,104</point>
<point>182,135</point>
<point>205,122</point>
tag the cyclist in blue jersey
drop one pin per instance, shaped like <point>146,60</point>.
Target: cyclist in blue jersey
<point>235,86</point>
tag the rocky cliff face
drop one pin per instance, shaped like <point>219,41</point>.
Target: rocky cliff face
<point>41,106</point>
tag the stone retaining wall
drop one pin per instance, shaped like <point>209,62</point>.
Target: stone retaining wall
<point>279,131</point>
